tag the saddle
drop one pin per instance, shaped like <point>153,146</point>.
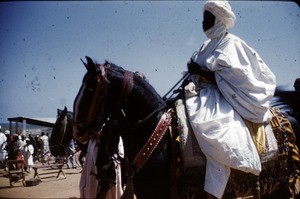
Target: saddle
<point>273,142</point>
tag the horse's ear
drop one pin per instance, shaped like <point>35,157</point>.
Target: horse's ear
<point>84,64</point>
<point>90,66</point>
<point>64,112</point>
<point>90,62</point>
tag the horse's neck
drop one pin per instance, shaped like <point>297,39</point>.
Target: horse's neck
<point>144,101</point>
<point>143,116</point>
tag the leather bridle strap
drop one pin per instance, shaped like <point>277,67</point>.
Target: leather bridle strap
<point>101,83</point>
<point>153,141</point>
<point>127,85</point>
<point>146,151</point>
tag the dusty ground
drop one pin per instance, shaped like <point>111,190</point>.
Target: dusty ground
<point>50,187</point>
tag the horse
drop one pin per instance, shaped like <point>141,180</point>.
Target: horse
<point>59,139</point>
<point>61,136</point>
<point>113,102</point>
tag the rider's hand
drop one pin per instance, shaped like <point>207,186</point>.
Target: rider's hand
<point>193,67</point>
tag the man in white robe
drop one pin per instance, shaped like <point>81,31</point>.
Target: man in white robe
<point>237,86</point>
<point>88,183</point>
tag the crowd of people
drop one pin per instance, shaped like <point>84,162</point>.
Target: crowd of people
<point>33,149</point>
<point>30,148</point>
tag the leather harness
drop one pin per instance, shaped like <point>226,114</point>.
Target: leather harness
<point>127,86</point>
<point>153,141</point>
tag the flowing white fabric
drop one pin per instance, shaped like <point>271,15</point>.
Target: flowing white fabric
<point>3,143</point>
<point>222,136</point>
<point>88,184</point>
<point>243,78</point>
<point>245,85</point>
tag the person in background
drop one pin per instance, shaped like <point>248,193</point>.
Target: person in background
<point>81,155</point>
<point>230,89</point>
<point>45,147</point>
<point>2,136</point>
<point>13,149</point>
<point>3,143</point>
<point>70,154</point>
<point>3,139</point>
<point>37,148</point>
<point>28,155</point>
<point>22,141</point>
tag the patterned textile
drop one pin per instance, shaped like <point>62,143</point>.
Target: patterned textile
<point>279,172</point>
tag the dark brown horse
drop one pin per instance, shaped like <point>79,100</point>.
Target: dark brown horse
<point>113,102</point>
<point>61,136</point>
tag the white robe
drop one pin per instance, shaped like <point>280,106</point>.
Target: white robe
<point>88,183</point>
<point>243,78</point>
<point>244,87</point>
<point>3,143</point>
<point>28,154</point>
<point>222,136</point>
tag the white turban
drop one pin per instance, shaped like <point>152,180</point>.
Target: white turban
<point>222,11</point>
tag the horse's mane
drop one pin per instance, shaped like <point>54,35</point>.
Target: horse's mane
<point>143,90</point>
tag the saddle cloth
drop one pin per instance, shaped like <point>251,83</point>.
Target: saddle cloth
<point>191,154</point>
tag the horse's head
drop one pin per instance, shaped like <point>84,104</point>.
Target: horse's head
<point>90,102</point>
<point>61,133</point>
<point>108,96</point>
<point>113,102</point>
<point>96,111</point>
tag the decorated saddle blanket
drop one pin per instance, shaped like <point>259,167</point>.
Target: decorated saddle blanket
<point>275,143</point>
<point>262,135</point>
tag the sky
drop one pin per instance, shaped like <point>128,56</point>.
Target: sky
<point>42,43</point>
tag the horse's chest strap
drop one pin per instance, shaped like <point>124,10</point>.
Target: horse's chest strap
<point>153,141</point>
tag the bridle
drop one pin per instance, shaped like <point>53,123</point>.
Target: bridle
<point>99,98</point>
<point>101,86</point>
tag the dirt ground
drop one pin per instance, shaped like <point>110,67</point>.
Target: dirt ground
<point>50,187</point>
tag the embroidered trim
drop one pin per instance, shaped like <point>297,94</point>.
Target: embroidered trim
<point>153,141</point>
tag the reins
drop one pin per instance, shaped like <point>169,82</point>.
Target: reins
<point>101,84</point>
<point>185,76</point>
<point>126,88</point>
<point>165,99</point>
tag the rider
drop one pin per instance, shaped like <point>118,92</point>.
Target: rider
<point>230,86</point>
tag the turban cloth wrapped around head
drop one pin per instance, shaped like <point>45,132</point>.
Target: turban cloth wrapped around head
<point>222,11</point>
